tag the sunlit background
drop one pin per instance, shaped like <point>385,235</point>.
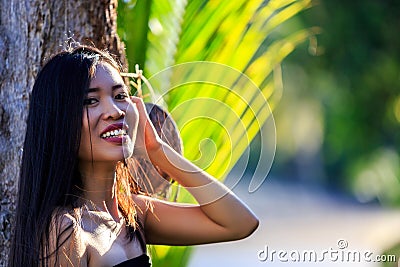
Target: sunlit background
<point>330,71</point>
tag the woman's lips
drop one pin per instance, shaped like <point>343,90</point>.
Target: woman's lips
<point>115,133</point>
<point>116,140</point>
<point>113,127</point>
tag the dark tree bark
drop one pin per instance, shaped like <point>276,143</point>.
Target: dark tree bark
<point>30,31</point>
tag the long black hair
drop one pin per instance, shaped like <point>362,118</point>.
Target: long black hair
<point>49,176</point>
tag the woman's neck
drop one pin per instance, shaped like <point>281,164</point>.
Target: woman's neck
<point>99,186</point>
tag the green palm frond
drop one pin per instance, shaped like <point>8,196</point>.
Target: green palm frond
<point>232,33</point>
<point>216,65</point>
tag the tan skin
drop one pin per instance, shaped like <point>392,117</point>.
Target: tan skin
<point>220,215</point>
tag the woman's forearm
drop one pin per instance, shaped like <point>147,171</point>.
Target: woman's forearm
<point>217,202</point>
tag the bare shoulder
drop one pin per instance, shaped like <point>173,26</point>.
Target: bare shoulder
<point>66,245</point>
<point>63,221</point>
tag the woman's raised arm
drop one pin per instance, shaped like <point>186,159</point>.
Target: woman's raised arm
<point>220,215</point>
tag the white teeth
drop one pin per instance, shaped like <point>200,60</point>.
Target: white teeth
<point>118,132</point>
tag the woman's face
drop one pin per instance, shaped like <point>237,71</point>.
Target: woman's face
<point>110,119</point>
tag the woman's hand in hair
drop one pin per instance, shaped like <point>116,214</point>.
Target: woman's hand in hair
<point>147,139</point>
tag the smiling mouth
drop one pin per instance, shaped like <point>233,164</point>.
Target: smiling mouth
<point>114,133</point>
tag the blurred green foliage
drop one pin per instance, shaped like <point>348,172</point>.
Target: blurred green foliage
<point>352,79</point>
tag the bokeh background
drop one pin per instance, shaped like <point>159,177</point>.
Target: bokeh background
<point>330,70</point>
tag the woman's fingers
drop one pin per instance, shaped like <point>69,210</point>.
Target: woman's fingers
<point>140,106</point>
<point>146,128</point>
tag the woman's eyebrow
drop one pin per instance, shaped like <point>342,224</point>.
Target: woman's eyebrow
<point>93,90</point>
<point>113,88</point>
<point>118,86</point>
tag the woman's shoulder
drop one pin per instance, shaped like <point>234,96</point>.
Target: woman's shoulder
<point>63,218</point>
<point>65,228</point>
<point>65,240</point>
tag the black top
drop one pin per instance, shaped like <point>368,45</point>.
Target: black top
<point>140,261</point>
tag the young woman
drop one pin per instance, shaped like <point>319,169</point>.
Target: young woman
<point>79,202</point>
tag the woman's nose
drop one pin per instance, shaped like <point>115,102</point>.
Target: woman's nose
<point>113,111</point>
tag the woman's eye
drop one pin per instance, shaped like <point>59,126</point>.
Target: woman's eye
<point>121,96</point>
<point>90,101</point>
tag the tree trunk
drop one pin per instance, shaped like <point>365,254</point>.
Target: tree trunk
<point>30,31</point>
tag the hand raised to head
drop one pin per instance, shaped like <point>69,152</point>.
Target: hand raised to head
<point>147,140</point>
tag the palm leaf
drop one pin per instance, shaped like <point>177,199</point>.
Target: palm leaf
<point>227,79</point>
<point>234,37</point>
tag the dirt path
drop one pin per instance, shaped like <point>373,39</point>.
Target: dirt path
<point>306,222</point>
